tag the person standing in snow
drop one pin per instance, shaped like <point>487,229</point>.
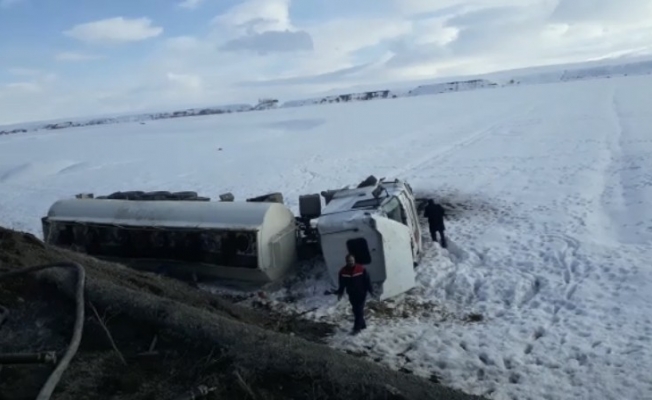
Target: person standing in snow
<point>435,214</point>
<point>355,279</point>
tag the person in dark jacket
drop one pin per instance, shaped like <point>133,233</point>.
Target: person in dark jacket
<point>355,279</point>
<point>435,214</point>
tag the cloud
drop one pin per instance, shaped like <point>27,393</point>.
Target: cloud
<point>486,35</point>
<point>116,30</point>
<point>496,29</point>
<point>73,56</point>
<point>257,16</point>
<point>261,27</point>
<point>443,8</point>
<point>24,71</point>
<point>326,77</point>
<point>603,11</point>
<point>30,87</point>
<point>290,49</point>
<point>271,41</point>
<point>343,43</point>
<point>293,57</point>
<point>190,4</point>
<point>185,81</point>
<point>35,74</point>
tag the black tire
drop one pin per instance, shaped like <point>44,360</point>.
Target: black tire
<point>370,181</point>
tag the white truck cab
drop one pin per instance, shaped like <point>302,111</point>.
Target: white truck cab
<point>379,225</point>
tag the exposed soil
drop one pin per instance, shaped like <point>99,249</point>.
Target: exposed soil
<point>170,338</point>
<point>458,204</point>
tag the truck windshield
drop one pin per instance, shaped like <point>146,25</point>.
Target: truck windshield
<point>395,211</point>
<point>368,203</point>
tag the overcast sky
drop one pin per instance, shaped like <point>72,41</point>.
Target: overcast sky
<point>65,58</point>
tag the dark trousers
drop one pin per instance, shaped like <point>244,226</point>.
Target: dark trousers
<point>433,232</point>
<point>357,306</point>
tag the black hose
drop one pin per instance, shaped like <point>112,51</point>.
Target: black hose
<point>48,357</point>
<point>55,376</point>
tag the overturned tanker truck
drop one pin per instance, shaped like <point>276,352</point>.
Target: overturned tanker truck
<point>258,240</point>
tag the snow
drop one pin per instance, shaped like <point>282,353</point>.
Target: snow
<point>610,67</point>
<point>546,289</point>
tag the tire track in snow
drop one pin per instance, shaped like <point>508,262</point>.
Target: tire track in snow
<point>571,275</point>
<point>567,262</point>
<point>612,196</point>
<point>442,152</point>
<point>563,253</point>
<point>347,163</point>
<point>307,175</point>
<point>32,171</point>
<point>632,181</point>
<point>432,156</point>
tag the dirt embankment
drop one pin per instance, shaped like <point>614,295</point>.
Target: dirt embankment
<point>159,338</point>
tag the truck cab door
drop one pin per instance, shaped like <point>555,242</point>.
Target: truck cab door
<point>397,257</point>
<point>412,223</point>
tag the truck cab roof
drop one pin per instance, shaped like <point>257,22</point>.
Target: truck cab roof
<point>362,200</point>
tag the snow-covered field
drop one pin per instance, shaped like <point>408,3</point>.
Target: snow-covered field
<point>551,238</point>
